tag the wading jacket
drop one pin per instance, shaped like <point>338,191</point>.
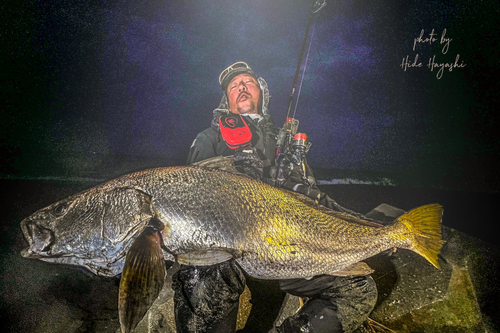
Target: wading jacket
<point>209,143</point>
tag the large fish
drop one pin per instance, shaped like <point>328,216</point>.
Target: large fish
<point>202,216</point>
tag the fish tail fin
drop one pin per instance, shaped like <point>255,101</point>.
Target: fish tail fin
<point>424,224</point>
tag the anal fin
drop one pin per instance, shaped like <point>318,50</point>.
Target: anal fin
<point>142,278</point>
<point>357,269</point>
<point>204,258</point>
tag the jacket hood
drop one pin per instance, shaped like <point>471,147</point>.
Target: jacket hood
<point>223,107</point>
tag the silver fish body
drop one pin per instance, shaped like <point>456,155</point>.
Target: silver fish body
<point>210,216</point>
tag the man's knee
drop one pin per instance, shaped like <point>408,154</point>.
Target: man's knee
<point>337,304</point>
<point>316,316</point>
<point>207,297</point>
<point>355,300</point>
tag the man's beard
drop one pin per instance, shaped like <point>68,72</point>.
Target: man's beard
<point>249,108</point>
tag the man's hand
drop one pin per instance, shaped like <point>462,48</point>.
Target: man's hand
<point>294,174</point>
<point>248,162</point>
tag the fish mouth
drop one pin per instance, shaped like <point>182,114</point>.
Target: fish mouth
<point>39,239</point>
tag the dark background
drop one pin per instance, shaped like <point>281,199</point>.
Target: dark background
<point>95,89</point>
<point>100,88</point>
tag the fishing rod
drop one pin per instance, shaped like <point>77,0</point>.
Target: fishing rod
<point>317,6</point>
<point>292,146</point>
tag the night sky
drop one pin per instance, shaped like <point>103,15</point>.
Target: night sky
<point>100,88</point>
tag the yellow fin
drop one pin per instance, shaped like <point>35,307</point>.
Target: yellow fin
<point>424,224</point>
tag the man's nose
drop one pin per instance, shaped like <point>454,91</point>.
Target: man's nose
<point>242,87</point>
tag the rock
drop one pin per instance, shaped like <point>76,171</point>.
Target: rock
<point>460,297</point>
<point>61,317</point>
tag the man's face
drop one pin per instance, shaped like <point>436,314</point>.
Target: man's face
<point>243,94</point>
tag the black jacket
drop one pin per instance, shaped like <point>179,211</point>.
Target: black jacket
<point>209,143</point>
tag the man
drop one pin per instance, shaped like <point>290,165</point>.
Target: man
<point>206,299</point>
<point>244,94</point>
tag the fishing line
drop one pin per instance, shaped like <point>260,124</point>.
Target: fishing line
<point>304,71</point>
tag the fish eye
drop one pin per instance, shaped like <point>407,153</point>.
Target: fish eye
<point>60,209</point>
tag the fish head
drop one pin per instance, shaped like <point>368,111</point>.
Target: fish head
<point>93,229</point>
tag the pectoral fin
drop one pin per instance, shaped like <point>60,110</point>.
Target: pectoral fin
<point>357,269</point>
<point>142,278</point>
<point>204,258</point>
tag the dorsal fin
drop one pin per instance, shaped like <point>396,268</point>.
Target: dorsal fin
<point>341,215</point>
<point>223,163</point>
